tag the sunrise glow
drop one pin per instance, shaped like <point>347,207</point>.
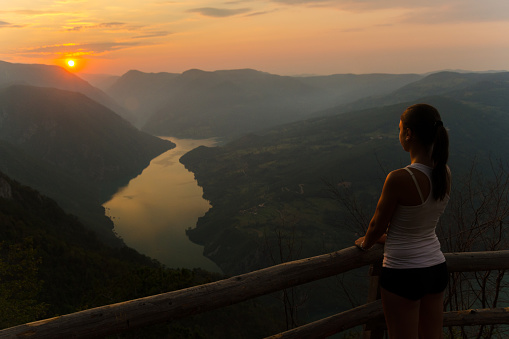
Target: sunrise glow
<point>70,63</point>
<point>284,37</point>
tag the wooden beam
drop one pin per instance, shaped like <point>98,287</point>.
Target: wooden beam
<point>372,314</point>
<point>477,261</point>
<point>164,307</point>
<point>337,323</point>
<point>472,317</point>
<point>477,317</point>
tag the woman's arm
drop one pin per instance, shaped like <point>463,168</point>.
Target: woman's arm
<point>383,213</point>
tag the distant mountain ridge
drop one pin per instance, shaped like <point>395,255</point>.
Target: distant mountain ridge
<point>446,83</point>
<point>229,103</point>
<point>101,81</point>
<point>55,77</point>
<point>142,93</point>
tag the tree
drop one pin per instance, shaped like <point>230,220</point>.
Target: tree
<point>19,284</point>
<point>284,246</point>
<point>477,219</point>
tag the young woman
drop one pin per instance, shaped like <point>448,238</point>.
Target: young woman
<point>414,273</point>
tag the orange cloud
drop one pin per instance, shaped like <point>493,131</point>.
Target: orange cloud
<point>77,50</point>
<point>4,24</point>
<point>219,12</point>
<point>98,26</point>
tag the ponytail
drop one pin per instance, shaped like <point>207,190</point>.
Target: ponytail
<point>425,122</point>
<point>440,155</point>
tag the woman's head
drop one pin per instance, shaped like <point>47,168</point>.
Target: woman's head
<point>425,125</point>
<point>423,121</point>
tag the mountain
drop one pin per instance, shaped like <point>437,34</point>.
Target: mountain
<point>75,196</point>
<point>75,133</point>
<point>71,257</point>
<point>52,265</point>
<point>143,93</point>
<point>451,84</point>
<point>55,77</point>
<point>71,148</point>
<point>445,82</point>
<point>229,103</point>
<point>352,87</point>
<point>101,81</point>
<point>267,181</point>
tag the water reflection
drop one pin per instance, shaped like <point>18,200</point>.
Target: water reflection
<point>153,211</point>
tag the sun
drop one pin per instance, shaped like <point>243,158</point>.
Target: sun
<point>72,64</point>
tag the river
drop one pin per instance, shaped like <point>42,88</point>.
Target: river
<point>152,213</point>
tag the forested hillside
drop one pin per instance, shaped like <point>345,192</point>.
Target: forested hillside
<point>261,181</point>
<point>50,264</point>
<point>72,149</point>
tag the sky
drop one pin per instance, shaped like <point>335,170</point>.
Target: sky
<point>285,37</point>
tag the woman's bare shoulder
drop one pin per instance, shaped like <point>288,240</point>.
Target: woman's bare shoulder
<point>397,179</point>
<point>398,175</point>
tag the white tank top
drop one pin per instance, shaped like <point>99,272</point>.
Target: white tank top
<point>411,239</point>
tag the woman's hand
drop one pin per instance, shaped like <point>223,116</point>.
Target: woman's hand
<point>359,242</point>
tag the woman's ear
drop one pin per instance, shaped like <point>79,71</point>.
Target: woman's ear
<point>408,134</point>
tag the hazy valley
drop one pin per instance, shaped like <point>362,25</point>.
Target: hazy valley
<point>286,144</point>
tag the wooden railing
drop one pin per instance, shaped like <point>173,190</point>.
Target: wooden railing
<point>120,317</point>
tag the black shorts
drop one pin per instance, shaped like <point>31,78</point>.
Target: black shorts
<point>415,283</point>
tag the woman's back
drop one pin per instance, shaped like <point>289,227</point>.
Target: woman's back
<point>411,239</point>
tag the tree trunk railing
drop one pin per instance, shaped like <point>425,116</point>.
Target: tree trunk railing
<point>116,318</point>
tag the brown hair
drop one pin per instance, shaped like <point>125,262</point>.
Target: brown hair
<point>425,122</point>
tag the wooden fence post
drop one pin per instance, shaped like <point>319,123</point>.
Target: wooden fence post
<point>373,295</point>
